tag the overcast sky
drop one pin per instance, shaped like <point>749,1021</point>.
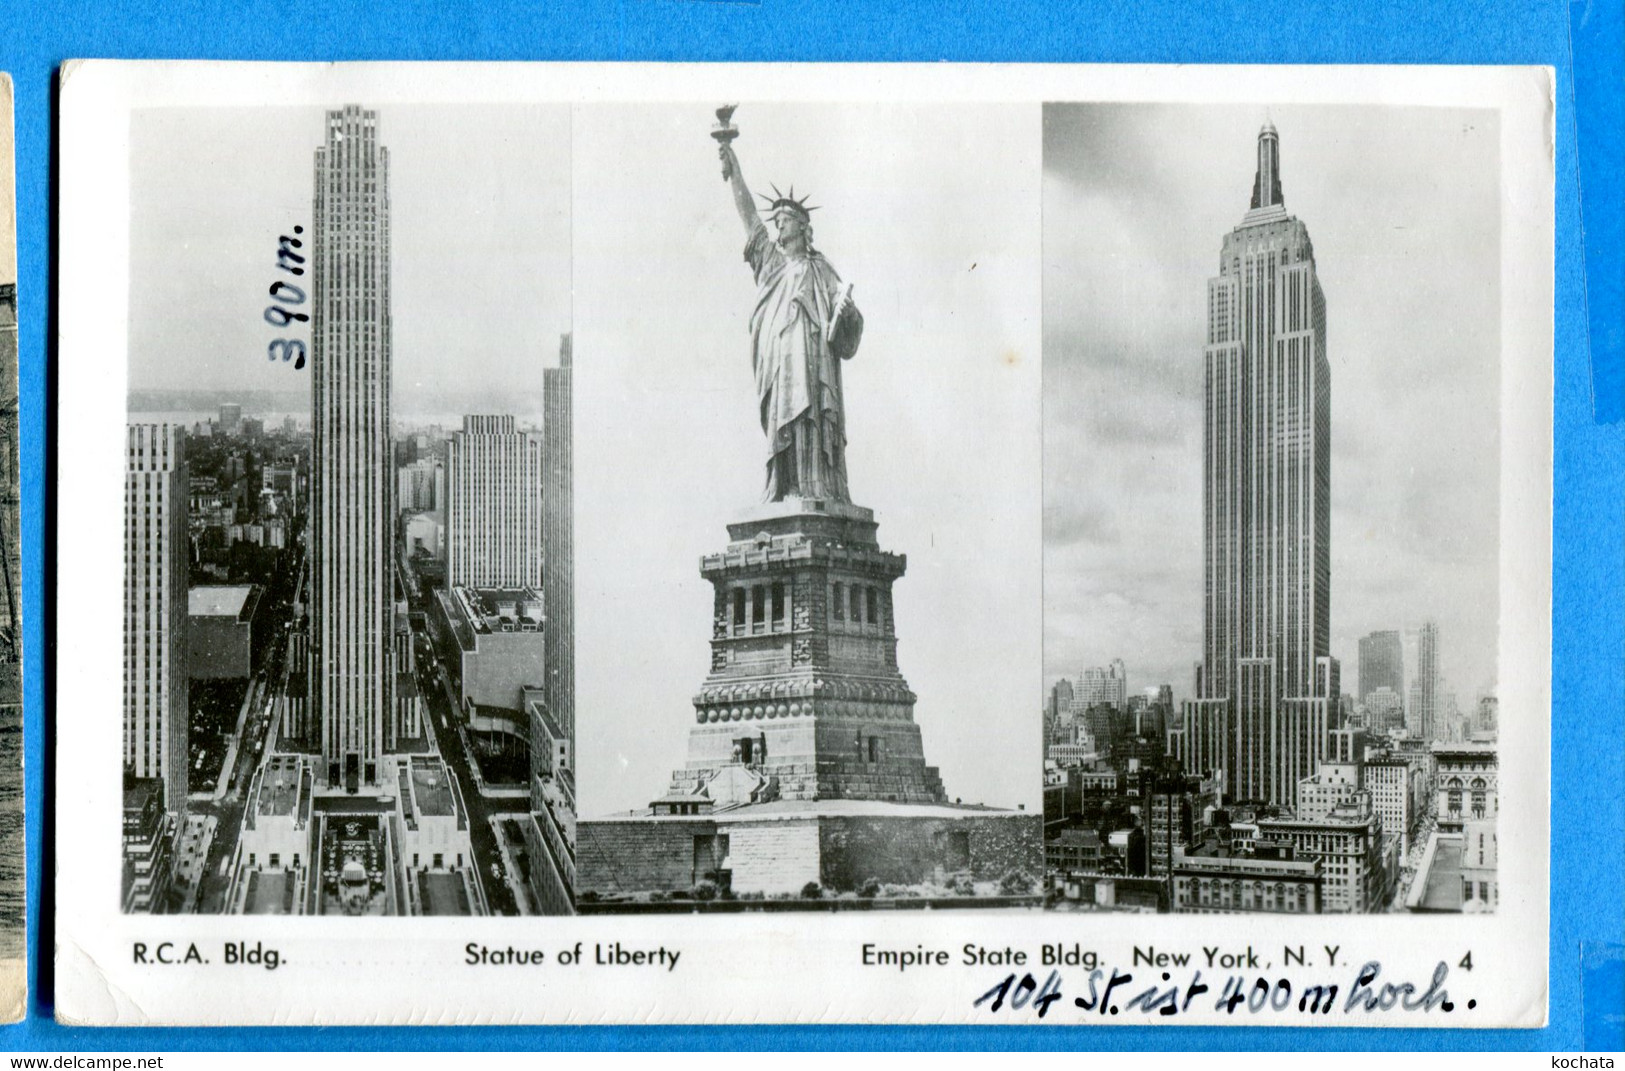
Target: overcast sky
<point>1403,207</point>
<point>480,233</point>
<point>931,214</point>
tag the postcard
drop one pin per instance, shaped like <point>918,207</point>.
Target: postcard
<point>805,544</point>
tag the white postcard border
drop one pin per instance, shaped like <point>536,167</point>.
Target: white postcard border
<point>746,968</point>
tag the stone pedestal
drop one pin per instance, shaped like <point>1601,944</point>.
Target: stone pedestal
<point>804,700</point>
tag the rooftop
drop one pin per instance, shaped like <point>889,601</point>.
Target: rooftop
<point>279,786</point>
<point>340,807</point>
<point>443,894</point>
<point>549,725</point>
<point>1443,889</point>
<point>507,609</point>
<point>138,790</point>
<point>269,893</point>
<point>219,600</point>
<point>430,790</point>
<point>1209,846</point>
<point>1478,748</point>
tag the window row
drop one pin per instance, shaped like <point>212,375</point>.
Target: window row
<point>759,609</point>
<point>856,603</point>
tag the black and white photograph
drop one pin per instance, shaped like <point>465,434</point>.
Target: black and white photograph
<point>347,512</point>
<point>594,542</point>
<point>13,858</point>
<point>799,671</point>
<point>1272,508</point>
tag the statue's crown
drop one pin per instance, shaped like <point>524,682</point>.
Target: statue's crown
<point>787,202</point>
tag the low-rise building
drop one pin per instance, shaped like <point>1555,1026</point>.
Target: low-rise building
<point>148,846</point>
<point>1172,813</point>
<point>436,853</point>
<point>1467,780</point>
<point>550,836</point>
<point>1457,873</point>
<point>223,631</point>
<point>1398,793</point>
<point>1348,843</point>
<point>493,642</point>
<point>281,477</point>
<point>1385,710</point>
<point>1073,850</point>
<point>1327,789</point>
<point>271,875</point>
<point>424,533</point>
<point>1073,754</point>
<point>1210,878</point>
<point>403,853</point>
<point>1097,780</point>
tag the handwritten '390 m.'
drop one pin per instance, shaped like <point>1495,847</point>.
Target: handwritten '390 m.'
<point>286,294</point>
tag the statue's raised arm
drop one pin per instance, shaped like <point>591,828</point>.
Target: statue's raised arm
<point>804,325</point>
<point>744,203</point>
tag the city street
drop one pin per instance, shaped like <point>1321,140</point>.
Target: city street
<point>257,732</point>
<point>440,721</point>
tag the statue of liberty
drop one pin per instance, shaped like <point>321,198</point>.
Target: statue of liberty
<point>803,327</point>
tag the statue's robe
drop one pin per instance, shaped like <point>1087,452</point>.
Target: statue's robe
<point>798,370</point>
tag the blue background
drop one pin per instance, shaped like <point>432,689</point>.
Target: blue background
<point>1582,41</point>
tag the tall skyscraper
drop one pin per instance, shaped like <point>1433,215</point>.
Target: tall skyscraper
<point>1058,707</point>
<point>1267,687</point>
<point>421,484</point>
<point>156,558</point>
<point>1422,702</point>
<point>1382,663</point>
<point>493,505</point>
<point>352,492</point>
<point>1102,686</point>
<point>558,540</point>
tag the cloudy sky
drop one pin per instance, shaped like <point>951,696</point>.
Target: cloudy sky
<point>931,214</point>
<point>1403,207</point>
<point>480,232</point>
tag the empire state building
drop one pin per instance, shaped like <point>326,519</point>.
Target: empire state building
<point>1266,686</point>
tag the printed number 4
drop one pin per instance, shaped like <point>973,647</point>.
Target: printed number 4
<point>1466,963</point>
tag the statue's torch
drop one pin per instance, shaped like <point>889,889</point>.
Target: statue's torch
<point>725,132</point>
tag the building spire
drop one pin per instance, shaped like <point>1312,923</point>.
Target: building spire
<point>1267,181</point>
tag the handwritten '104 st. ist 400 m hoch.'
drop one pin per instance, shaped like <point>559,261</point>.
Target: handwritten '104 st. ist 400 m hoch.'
<point>1108,991</point>
<point>1178,986</point>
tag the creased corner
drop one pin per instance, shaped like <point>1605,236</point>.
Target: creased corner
<point>87,995</point>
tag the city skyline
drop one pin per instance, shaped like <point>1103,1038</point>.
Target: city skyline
<point>1263,774</point>
<point>472,186</point>
<point>1414,492</point>
<point>317,781</point>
